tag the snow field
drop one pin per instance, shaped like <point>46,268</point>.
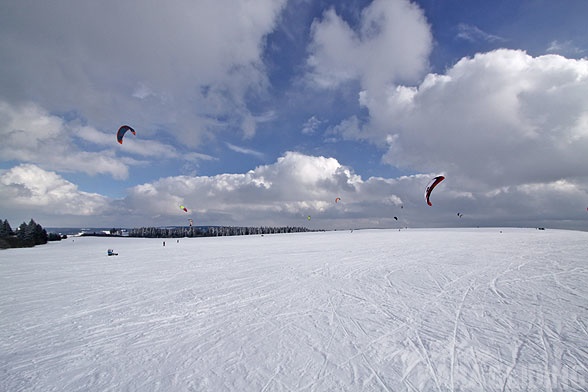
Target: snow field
<point>386,310</point>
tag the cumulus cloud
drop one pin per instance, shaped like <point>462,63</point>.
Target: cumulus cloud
<point>282,193</point>
<point>29,188</point>
<point>297,185</point>
<point>285,192</point>
<point>391,44</point>
<point>498,119</point>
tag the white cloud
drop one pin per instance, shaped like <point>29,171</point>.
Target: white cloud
<point>27,125</point>
<point>246,151</point>
<point>473,34</point>
<point>280,193</point>
<point>31,134</point>
<point>29,188</point>
<point>311,125</point>
<point>195,156</point>
<point>391,45</point>
<point>349,128</point>
<point>566,48</point>
<point>509,130</point>
<point>285,192</point>
<point>297,185</point>
<point>500,118</point>
<point>99,61</point>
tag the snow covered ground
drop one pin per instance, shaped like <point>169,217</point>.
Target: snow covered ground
<point>376,310</point>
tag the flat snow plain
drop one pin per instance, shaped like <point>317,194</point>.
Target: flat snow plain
<point>370,310</point>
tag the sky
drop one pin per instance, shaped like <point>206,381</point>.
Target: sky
<point>263,112</point>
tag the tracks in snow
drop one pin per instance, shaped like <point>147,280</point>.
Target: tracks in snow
<point>398,311</point>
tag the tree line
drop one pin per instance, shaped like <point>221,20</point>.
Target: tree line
<point>209,231</point>
<point>26,235</point>
<point>32,233</point>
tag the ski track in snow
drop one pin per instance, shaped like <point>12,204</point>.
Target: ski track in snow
<point>378,310</point>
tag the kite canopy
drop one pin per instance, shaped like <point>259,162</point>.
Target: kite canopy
<point>121,132</point>
<point>434,182</point>
<point>184,208</point>
<point>337,199</point>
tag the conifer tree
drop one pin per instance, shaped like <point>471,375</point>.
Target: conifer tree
<point>5,229</point>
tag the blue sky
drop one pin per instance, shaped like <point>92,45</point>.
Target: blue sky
<point>252,113</point>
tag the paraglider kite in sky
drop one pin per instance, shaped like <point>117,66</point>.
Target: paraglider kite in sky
<point>184,208</point>
<point>337,199</point>
<point>434,182</point>
<point>121,132</point>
